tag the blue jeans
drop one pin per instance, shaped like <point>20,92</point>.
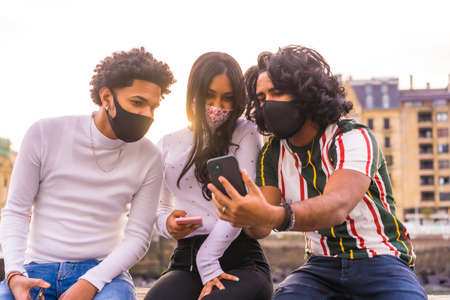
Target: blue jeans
<point>380,278</point>
<point>62,276</point>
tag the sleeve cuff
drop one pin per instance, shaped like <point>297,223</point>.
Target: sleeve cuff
<point>205,278</point>
<point>95,282</point>
<point>162,225</point>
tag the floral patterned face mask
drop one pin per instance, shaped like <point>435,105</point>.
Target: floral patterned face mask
<point>216,116</point>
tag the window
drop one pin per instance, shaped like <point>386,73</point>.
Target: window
<point>385,100</point>
<point>370,123</point>
<point>386,123</point>
<point>387,142</point>
<point>425,132</point>
<point>427,196</point>
<point>369,101</point>
<point>444,180</point>
<point>389,160</point>
<point>444,164</point>
<point>444,196</point>
<point>440,102</point>
<point>427,180</point>
<point>425,148</point>
<point>424,116</point>
<point>426,164</point>
<point>442,132</point>
<point>442,148</point>
<point>369,97</point>
<point>385,95</point>
<point>441,117</point>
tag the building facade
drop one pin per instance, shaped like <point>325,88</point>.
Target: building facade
<point>412,128</point>
<point>426,159</point>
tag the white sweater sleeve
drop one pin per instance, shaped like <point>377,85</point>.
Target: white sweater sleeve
<point>164,210</point>
<point>23,189</point>
<point>137,233</point>
<point>223,233</point>
<point>166,205</point>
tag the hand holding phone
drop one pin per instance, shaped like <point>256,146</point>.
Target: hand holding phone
<point>177,230</point>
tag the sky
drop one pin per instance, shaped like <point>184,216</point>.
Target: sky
<point>49,48</point>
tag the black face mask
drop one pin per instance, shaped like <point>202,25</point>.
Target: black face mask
<point>127,126</point>
<point>281,118</point>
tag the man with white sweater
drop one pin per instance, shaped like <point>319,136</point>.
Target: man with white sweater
<point>90,184</point>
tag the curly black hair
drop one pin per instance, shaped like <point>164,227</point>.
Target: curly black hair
<point>303,73</point>
<point>208,143</point>
<point>122,68</point>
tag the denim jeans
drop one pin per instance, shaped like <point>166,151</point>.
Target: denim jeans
<point>62,276</point>
<point>380,278</point>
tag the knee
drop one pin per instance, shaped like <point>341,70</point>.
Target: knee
<point>118,289</point>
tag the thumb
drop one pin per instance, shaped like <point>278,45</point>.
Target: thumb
<point>39,283</point>
<point>251,186</point>
<point>179,213</point>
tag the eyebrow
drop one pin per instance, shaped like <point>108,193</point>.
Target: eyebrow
<point>140,98</point>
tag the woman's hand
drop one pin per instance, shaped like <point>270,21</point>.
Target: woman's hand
<point>178,231</point>
<point>215,282</point>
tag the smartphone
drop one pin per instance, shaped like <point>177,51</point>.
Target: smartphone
<point>188,220</point>
<point>39,294</point>
<point>228,167</point>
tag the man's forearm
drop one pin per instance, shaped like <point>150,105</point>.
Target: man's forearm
<point>316,213</point>
<point>257,232</point>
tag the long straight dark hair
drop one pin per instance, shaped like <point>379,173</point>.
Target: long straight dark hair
<point>208,143</point>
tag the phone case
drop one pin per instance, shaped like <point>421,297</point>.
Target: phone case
<point>188,220</point>
<point>228,167</point>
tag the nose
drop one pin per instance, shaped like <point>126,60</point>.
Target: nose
<point>217,102</point>
<point>148,112</point>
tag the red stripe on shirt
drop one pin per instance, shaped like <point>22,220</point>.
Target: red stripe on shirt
<point>361,240</point>
<point>328,146</point>
<point>324,248</point>
<point>377,222</point>
<point>382,192</point>
<point>323,158</point>
<point>283,190</point>
<point>341,152</point>
<point>302,184</point>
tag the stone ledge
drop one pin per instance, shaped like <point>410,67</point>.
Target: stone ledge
<point>142,291</point>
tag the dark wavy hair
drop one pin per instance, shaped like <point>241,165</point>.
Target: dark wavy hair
<point>303,73</point>
<point>122,68</point>
<point>207,143</point>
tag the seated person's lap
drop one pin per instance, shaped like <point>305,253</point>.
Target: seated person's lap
<point>384,276</point>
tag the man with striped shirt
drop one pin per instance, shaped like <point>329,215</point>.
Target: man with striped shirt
<point>326,176</point>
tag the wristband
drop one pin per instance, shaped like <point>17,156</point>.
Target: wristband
<point>289,218</point>
<point>11,275</point>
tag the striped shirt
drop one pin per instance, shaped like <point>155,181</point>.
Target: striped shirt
<point>372,227</point>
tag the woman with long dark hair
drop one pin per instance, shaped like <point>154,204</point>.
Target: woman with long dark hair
<point>214,260</point>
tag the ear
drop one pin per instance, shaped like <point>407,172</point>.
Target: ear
<point>106,98</point>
